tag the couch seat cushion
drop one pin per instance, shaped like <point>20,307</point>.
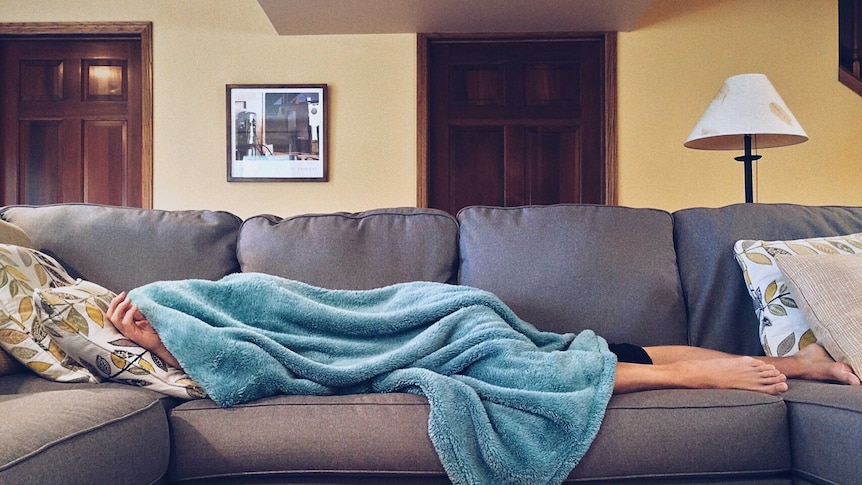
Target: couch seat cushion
<point>825,426</point>
<point>678,434</point>
<point>85,433</point>
<point>657,434</point>
<point>291,437</point>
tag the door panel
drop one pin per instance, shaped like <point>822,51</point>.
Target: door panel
<point>515,122</point>
<point>72,121</point>
<point>105,159</point>
<point>476,165</point>
<point>40,159</point>
<point>550,155</point>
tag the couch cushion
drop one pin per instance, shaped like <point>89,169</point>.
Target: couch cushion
<point>11,234</point>
<point>720,310</point>
<point>89,434</point>
<point>828,290</point>
<point>783,329</point>
<point>670,435</point>
<point>75,317</point>
<point>353,251</point>
<point>290,437</point>
<point>825,426</point>
<point>378,436</point>
<point>123,248</point>
<point>22,335</point>
<point>568,267</point>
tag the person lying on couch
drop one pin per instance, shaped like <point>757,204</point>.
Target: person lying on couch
<point>637,369</point>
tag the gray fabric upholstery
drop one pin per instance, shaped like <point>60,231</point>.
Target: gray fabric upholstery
<point>385,435</point>
<point>82,435</point>
<point>826,423</point>
<point>123,248</point>
<point>569,267</point>
<point>28,383</point>
<point>294,436</point>
<point>353,251</point>
<point>663,435</point>
<point>720,310</point>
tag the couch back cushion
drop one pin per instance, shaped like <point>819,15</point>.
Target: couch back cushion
<point>353,251</point>
<point>720,309</point>
<point>566,268</point>
<point>123,248</point>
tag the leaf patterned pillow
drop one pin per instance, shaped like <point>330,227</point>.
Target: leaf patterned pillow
<point>74,315</point>
<point>783,329</point>
<point>23,270</point>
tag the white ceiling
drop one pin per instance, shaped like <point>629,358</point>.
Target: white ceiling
<point>308,17</point>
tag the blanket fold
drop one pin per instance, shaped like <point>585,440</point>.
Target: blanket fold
<point>508,403</point>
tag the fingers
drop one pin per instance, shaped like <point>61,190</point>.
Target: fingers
<point>112,307</point>
<point>123,313</point>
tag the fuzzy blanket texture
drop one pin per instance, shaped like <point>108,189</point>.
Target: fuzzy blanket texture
<point>508,403</point>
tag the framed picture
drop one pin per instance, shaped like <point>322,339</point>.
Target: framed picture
<point>276,133</point>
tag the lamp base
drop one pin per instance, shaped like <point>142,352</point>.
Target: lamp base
<point>747,159</point>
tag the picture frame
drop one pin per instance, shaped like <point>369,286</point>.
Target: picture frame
<point>277,132</point>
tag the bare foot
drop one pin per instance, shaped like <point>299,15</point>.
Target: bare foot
<point>814,363</point>
<point>745,373</point>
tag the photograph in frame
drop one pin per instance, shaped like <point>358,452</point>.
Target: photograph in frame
<point>276,133</point>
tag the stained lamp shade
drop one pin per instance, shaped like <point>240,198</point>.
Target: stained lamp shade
<point>746,104</point>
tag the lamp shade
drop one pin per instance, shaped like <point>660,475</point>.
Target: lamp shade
<point>747,104</point>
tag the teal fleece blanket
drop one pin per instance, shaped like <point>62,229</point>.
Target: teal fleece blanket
<point>508,403</point>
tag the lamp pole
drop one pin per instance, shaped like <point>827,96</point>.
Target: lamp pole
<point>746,160</point>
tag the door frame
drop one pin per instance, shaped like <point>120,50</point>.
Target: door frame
<point>609,128</point>
<point>108,30</point>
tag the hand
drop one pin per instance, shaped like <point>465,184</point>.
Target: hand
<point>129,321</point>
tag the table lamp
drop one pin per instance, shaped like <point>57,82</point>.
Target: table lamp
<point>746,111</point>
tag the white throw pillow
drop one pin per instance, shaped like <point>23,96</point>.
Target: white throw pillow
<point>828,290</point>
<point>22,271</point>
<point>783,330</point>
<point>75,317</point>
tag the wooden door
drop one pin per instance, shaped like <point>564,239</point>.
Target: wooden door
<point>515,122</point>
<point>71,128</point>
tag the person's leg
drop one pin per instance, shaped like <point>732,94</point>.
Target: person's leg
<point>746,373</point>
<point>812,362</point>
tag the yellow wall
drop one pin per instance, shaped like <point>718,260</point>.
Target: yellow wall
<point>673,63</point>
<point>669,69</point>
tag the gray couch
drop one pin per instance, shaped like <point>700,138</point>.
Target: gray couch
<point>635,275</point>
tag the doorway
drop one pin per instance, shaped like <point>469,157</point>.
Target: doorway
<point>516,120</point>
<point>76,120</point>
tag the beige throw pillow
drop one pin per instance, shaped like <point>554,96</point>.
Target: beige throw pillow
<point>783,330</point>
<point>828,291</point>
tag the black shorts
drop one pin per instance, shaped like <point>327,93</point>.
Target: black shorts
<point>630,353</point>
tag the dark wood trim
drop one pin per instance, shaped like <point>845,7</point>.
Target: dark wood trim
<point>610,128</point>
<point>147,156</point>
<point>848,79</point>
<point>141,30</point>
<point>422,150</point>
<point>609,39</point>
